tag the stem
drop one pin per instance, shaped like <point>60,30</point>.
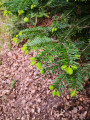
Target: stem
<point>85,48</point>
<point>53,65</point>
<point>36,20</point>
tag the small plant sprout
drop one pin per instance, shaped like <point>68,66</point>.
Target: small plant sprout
<point>51,87</point>
<point>33,63</point>
<point>20,12</point>
<point>53,93</point>
<point>20,33</point>
<point>26,19</point>
<point>33,6</point>
<point>73,93</point>
<point>39,66</point>
<point>63,67</point>
<point>6,13</point>
<point>17,36</point>
<point>58,93</point>
<point>26,52</point>
<point>13,84</point>
<point>74,67</point>
<point>42,71</point>
<point>69,70</point>
<point>32,58</point>
<point>54,29</point>
<point>15,39</point>
<point>25,49</point>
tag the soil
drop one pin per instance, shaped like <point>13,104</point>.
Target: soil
<point>30,98</point>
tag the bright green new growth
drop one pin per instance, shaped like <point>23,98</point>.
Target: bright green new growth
<point>74,67</point>
<point>39,66</point>
<point>33,63</point>
<point>33,6</point>
<point>25,49</point>
<point>53,93</point>
<point>56,93</point>
<point>15,40</point>
<point>6,13</point>
<point>73,93</point>
<point>17,36</point>
<point>20,33</point>
<point>63,67</point>
<point>54,29</point>
<point>20,12</point>
<point>32,58</point>
<point>26,19</point>
<point>69,70</point>
<point>42,71</point>
<point>51,87</point>
<point>26,52</point>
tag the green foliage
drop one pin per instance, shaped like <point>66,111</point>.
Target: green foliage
<point>56,93</point>
<point>63,46</point>
<point>69,70</point>
<point>26,19</point>
<point>32,58</point>
<point>25,49</point>
<point>39,41</point>
<point>39,66</point>
<point>33,63</point>
<point>51,87</point>
<point>73,93</point>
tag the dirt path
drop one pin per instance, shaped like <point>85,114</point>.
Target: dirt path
<point>30,97</point>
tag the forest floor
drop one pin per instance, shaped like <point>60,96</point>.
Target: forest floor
<point>24,93</point>
<point>30,98</point>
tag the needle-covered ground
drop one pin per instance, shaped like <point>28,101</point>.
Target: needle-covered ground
<point>24,93</point>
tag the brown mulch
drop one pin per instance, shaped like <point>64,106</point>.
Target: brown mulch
<point>31,99</point>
